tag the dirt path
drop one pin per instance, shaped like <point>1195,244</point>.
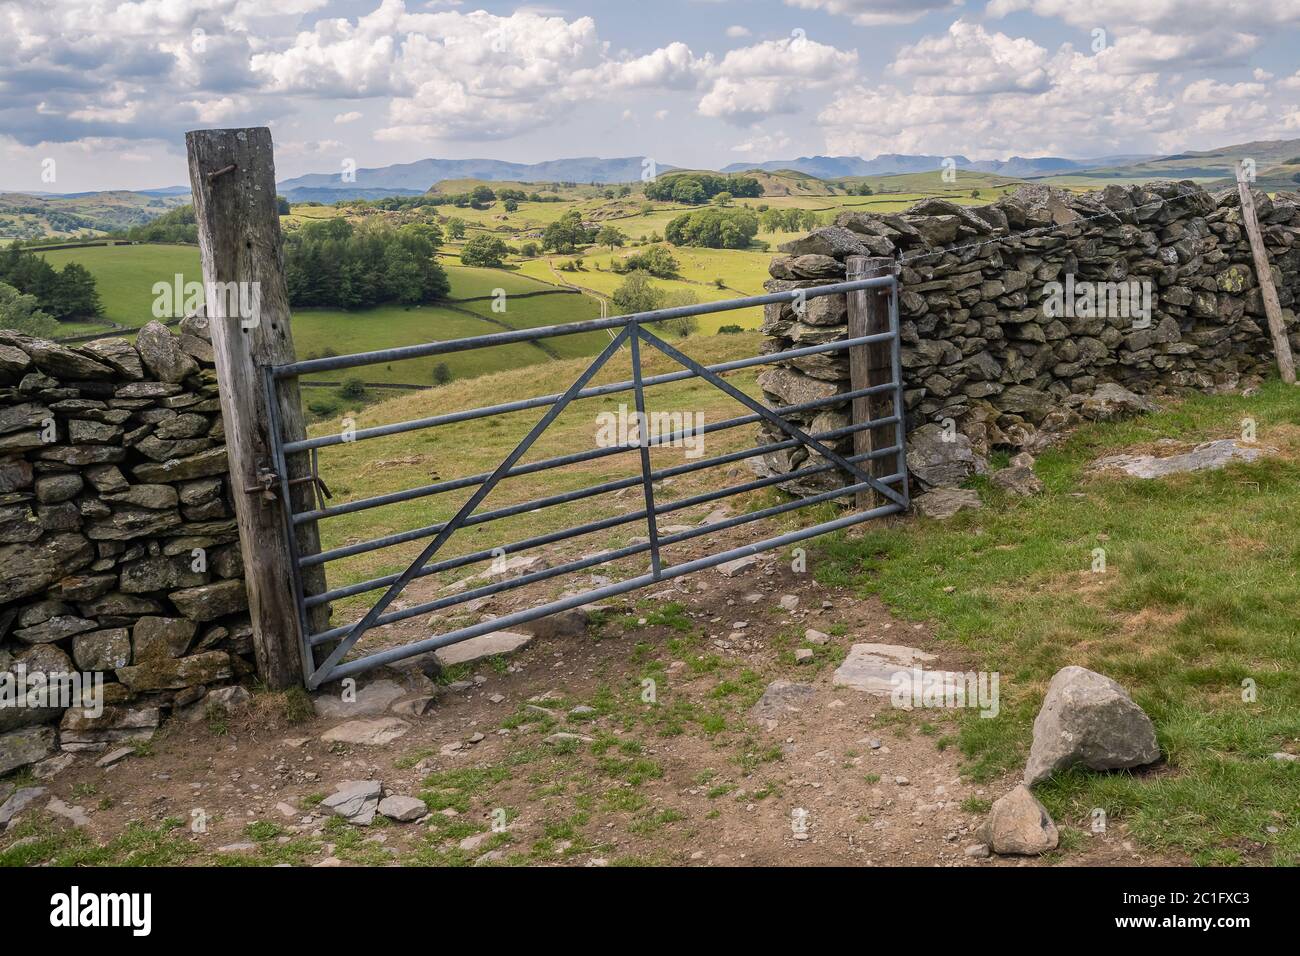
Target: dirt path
<point>695,777</point>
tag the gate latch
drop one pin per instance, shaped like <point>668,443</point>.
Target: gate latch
<point>266,481</point>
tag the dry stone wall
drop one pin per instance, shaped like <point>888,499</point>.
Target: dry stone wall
<point>119,554</point>
<point>989,340</point>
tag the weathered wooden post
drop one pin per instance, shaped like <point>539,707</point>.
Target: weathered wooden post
<point>868,313</point>
<point>1264,274</point>
<point>232,178</point>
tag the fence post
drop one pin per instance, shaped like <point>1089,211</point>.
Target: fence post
<point>868,313</point>
<point>232,179</point>
<point>1264,275</point>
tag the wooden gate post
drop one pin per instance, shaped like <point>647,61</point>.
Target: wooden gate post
<point>1264,274</point>
<point>868,311</point>
<point>232,179</point>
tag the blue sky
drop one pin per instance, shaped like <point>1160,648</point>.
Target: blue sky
<point>101,91</point>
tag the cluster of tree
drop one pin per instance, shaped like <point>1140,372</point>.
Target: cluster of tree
<point>637,293</point>
<point>655,260</point>
<point>713,228</point>
<point>175,225</point>
<point>22,313</point>
<point>789,220</point>
<point>485,250</point>
<point>460,200</point>
<point>568,233</point>
<point>333,263</point>
<point>696,188</point>
<point>65,293</point>
<point>861,189</point>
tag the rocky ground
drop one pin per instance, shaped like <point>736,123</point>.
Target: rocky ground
<point>700,724</point>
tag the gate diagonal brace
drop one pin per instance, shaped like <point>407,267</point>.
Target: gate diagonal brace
<point>792,430</point>
<point>321,673</point>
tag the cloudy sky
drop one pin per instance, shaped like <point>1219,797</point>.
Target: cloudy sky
<point>107,88</point>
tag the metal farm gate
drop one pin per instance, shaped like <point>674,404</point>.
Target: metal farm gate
<point>232,178</point>
<point>336,643</point>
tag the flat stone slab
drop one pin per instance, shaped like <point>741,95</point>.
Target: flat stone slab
<point>946,502</point>
<point>871,668</point>
<point>18,801</point>
<point>1205,456</point>
<point>355,800</point>
<point>781,698</point>
<point>375,698</point>
<point>372,733</point>
<point>482,647</point>
<point>729,569</point>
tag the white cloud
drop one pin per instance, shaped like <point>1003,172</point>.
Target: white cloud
<point>969,59</point>
<point>1162,16</point>
<point>774,77</point>
<point>350,117</point>
<point>738,31</point>
<point>868,13</point>
<point>1167,32</point>
<point>1208,91</point>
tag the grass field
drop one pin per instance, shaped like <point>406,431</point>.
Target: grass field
<point>125,275</point>
<point>1198,597</point>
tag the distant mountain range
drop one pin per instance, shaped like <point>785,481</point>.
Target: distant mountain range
<point>417,177</point>
<point>892,164</point>
<point>404,179</point>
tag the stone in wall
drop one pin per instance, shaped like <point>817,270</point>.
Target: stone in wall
<point>119,555</point>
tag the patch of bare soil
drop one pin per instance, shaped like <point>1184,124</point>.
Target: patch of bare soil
<point>692,778</point>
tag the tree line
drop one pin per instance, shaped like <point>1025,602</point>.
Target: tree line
<point>67,293</point>
<point>696,188</point>
<point>333,263</point>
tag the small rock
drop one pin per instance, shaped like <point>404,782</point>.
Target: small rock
<point>114,756</point>
<point>238,848</point>
<point>978,851</point>
<point>803,655</point>
<point>1019,824</point>
<point>403,809</point>
<point>730,569</point>
<point>816,637</point>
<point>564,737</point>
<point>946,502</point>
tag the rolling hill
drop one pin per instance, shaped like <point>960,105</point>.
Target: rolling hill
<point>420,175</point>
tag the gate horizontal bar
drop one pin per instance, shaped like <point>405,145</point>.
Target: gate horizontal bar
<point>605,557</point>
<point>380,356</point>
<point>454,484</point>
<point>487,411</point>
<point>509,511</point>
<point>606,523</point>
<point>379,658</point>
